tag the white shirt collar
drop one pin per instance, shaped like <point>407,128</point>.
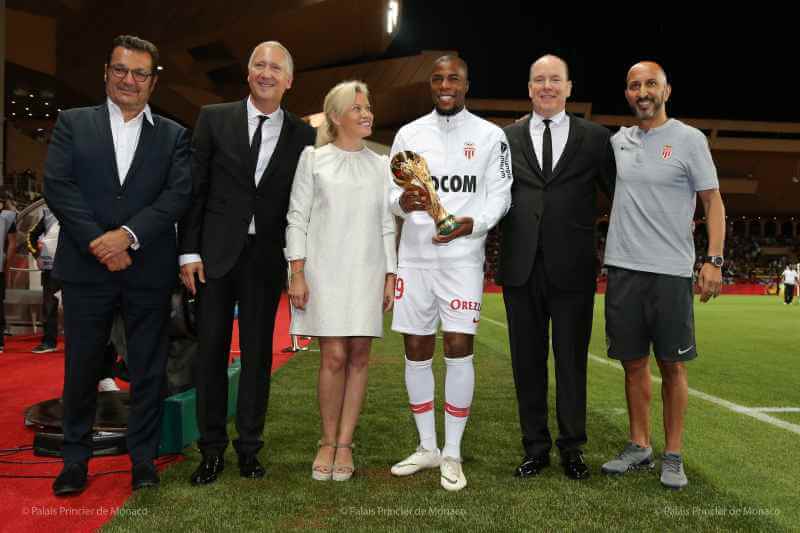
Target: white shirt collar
<point>116,112</point>
<point>555,120</point>
<point>253,113</point>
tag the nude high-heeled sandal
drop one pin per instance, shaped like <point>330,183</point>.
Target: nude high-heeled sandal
<point>343,472</point>
<point>322,471</point>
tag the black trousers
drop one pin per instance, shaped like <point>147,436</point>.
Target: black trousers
<point>530,309</point>
<point>258,293</point>
<point>788,293</point>
<point>50,286</point>
<point>88,314</point>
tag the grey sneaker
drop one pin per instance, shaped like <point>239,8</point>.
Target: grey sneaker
<point>633,457</point>
<point>672,474</point>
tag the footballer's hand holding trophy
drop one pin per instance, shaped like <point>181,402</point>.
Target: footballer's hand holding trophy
<point>411,172</point>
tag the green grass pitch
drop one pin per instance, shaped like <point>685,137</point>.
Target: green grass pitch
<point>743,472</point>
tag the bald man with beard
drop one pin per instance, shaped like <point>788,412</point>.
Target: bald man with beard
<point>662,166</point>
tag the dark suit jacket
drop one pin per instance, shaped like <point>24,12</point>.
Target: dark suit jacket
<point>560,211</point>
<point>81,186</point>
<point>224,194</point>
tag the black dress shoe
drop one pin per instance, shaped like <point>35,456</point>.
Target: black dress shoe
<point>144,475</point>
<point>250,467</point>
<point>71,480</point>
<point>210,467</point>
<point>574,467</point>
<point>532,465</point>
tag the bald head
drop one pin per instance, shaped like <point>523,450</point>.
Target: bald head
<point>549,59</point>
<point>549,86</point>
<point>650,68</point>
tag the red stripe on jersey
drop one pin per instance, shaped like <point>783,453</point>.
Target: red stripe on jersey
<point>460,412</point>
<point>419,408</point>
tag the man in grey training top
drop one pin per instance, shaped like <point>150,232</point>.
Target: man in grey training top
<point>662,165</point>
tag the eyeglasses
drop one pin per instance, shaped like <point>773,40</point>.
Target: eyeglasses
<point>140,76</point>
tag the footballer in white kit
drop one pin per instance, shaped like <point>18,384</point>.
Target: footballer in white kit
<point>440,278</point>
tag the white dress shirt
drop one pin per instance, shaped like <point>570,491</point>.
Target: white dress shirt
<point>270,131</point>
<point>559,131</point>
<point>125,136</point>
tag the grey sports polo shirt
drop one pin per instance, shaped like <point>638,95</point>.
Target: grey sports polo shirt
<point>658,175</point>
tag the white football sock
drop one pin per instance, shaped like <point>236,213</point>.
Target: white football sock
<point>459,385</point>
<point>420,386</point>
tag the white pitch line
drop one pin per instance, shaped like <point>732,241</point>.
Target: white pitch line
<point>775,409</point>
<point>759,413</point>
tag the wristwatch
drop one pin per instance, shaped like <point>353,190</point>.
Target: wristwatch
<point>716,260</point>
<point>131,237</point>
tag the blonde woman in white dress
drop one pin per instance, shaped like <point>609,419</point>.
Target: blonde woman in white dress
<point>341,251</point>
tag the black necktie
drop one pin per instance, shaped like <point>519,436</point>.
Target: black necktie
<point>255,144</point>
<point>547,150</point>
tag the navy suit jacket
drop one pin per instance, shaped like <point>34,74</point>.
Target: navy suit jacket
<point>82,188</point>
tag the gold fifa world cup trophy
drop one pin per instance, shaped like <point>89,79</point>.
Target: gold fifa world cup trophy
<point>411,172</point>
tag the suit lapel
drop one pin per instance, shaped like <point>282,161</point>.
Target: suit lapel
<point>102,123</point>
<point>242,140</point>
<point>530,153</point>
<point>287,130</point>
<point>142,148</point>
<point>574,139</point>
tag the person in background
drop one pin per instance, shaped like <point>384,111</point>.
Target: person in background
<point>8,245</point>
<point>42,243</point>
<point>789,280</point>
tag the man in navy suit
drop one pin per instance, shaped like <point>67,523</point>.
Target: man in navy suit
<point>117,178</point>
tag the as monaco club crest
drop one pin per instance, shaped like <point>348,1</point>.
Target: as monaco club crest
<point>666,152</point>
<point>469,150</point>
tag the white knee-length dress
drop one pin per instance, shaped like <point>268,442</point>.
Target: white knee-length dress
<point>339,222</point>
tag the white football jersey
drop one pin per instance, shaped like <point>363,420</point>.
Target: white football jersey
<point>470,163</point>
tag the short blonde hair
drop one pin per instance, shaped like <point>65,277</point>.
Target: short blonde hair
<point>274,44</point>
<point>337,101</point>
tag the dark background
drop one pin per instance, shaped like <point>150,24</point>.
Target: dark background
<point>731,63</point>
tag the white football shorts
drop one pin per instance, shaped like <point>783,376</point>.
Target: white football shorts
<point>423,297</point>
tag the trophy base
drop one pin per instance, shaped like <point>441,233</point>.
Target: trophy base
<point>447,225</point>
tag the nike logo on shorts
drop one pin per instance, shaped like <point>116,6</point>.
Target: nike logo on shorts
<point>681,352</point>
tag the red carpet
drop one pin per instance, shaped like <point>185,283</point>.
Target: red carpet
<point>736,288</point>
<point>26,502</point>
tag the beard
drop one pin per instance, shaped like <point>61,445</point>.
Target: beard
<point>645,114</point>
